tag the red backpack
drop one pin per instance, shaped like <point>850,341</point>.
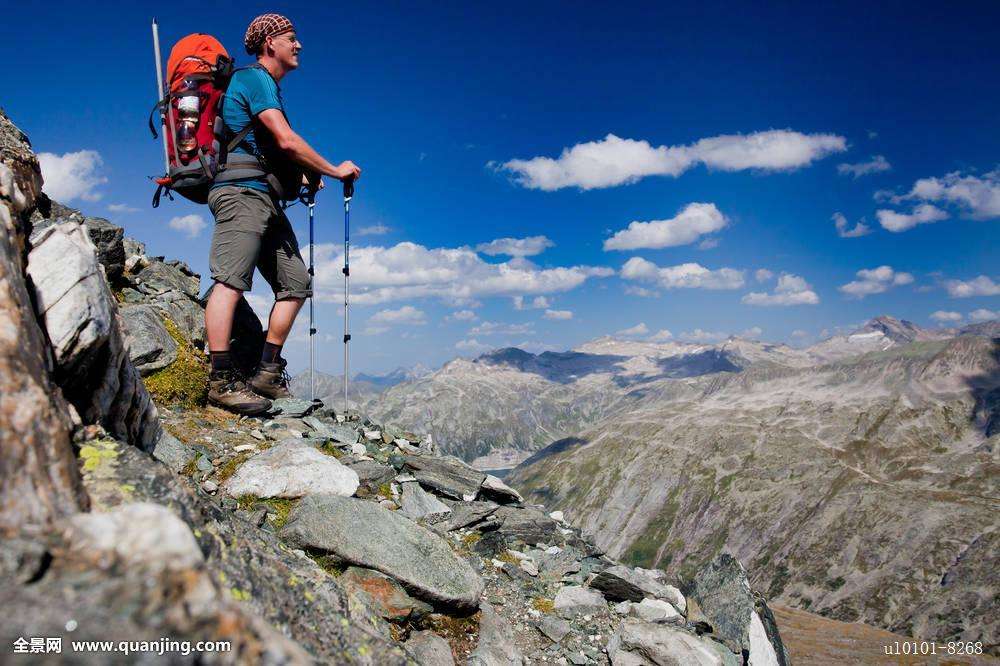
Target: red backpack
<point>198,73</point>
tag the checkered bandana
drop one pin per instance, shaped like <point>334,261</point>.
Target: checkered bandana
<point>262,27</point>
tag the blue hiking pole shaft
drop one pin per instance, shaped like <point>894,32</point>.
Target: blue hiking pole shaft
<point>312,328</point>
<point>348,194</point>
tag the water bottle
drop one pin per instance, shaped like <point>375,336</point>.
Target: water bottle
<point>187,112</point>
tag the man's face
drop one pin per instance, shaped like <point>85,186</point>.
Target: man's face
<point>286,47</point>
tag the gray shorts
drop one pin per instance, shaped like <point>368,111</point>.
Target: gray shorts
<point>250,230</point>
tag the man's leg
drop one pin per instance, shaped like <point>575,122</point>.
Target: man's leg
<point>282,317</point>
<point>219,313</point>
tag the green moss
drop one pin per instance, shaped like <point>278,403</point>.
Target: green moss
<point>183,382</point>
<point>278,506</point>
<point>385,490</point>
<point>97,453</point>
<point>328,563</point>
<point>543,605</point>
<point>228,468</point>
<point>239,595</point>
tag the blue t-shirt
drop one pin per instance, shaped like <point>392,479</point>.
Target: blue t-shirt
<point>250,92</point>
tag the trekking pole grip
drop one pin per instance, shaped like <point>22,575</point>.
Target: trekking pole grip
<point>349,188</point>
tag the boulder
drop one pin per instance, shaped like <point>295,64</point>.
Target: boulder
<point>383,594</point>
<point>159,278</point>
<point>291,469</point>
<point>292,407</point>
<point>496,641</point>
<point>656,610</point>
<point>39,479</point>
<point>464,514</point>
<point>574,600</point>
<point>495,489</point>
<point>553,628</point>
<point>81,319</point>
<point>367,535</point>
<point>622,583</point>
<point>71,295</point>
<point>638,643</point>
<point>416,503</point>
<point>185,313</point>
<point>723,595</point>
<point>150,346</point>
<point>446,476</point>
<point>527,524</point>
<point>173,453</point>
<point>429,649</point>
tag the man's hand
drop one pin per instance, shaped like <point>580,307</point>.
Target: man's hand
<point>348,170</point>
<point>315,185</point>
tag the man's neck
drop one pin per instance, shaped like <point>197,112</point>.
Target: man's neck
<point>273,67</point>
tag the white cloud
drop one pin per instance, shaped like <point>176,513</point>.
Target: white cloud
<point>72,175</point>
<point>982,314</point>
<point>753,332</point>
<point>638,329</point>
<point>799,333</point>
<point>696,219</point>
<point>922,214</point>
<point>191,225</point>
<point>945,316</point>
<point>860,229</point>
<point>661,335</point>
<point>980,286</point>
<point>875,281</point>
<point>373,230</point>
<point>406,315</point>
<point>790,290</point>
<point>472,346</point>
<point>698,335</point>
<point>978,197</point>
<point>500,328</point>
<point>762,275</point>
<point>558,314</point>
<point>708,244</point>
<point>537,303</point>
<point>515,247</point>
<point>877,164</point>
<point>407,271</point>
<point>682,276</point>
<point>462,315</point>
<point>615,161</point>
<point>260,305</point>
<point>633,290</point>
<point>121,208</point>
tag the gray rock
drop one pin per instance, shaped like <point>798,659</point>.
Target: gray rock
<point>496,641</point>
<point>150,346</point>
<point>574,600</point>
<point>429,649</point>
<point>186,313</point>
<point>71,294</point>
<point>383,594</point>
<point>722,591</point>
<point>656,610</point>
<point>172,452</point>
<point>446,476</point>
<point>638,643</point>
<point>322,429</point>
<point>527,524</point>
<point>464,514</point>
<point>159,278</point>
<point>553,628</point>
<point>291,469</point>
<point>762,652</point>
<point>368,535</point>
<point>143,535</point>
<point>417,503</point>
<point>133,248</point>
<point>132,296</point>
<point>622,583</point>
<point>495,489</point>
<point>209,486</point>
<point>371,473</point>
<point>293,407</point>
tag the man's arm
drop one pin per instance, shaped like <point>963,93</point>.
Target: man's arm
<point>300,151</point>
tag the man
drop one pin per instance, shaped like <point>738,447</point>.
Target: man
<point>251,230</point>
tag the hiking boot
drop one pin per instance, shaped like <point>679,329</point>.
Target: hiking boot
<point>271,380</point>
<point>227,389</point>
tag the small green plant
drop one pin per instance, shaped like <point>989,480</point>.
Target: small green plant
<point>183,382</point>
<point>543,605</point>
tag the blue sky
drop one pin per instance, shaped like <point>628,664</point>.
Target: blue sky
<point>719,130</point>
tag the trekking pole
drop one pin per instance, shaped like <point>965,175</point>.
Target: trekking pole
<point>159,93</point>
<point>311,202</point>
<point>348,193</point>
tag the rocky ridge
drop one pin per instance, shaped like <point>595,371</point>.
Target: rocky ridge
<point>130,514</point>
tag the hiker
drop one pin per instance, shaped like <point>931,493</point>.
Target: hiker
<point>251,229</point>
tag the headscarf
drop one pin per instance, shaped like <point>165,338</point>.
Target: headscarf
<point>262,27</point>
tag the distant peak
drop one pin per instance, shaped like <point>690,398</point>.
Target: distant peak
<point>897,330</point>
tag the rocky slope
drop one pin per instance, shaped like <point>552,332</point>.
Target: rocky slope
<point>863,488</point>
<point>130,512</point>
